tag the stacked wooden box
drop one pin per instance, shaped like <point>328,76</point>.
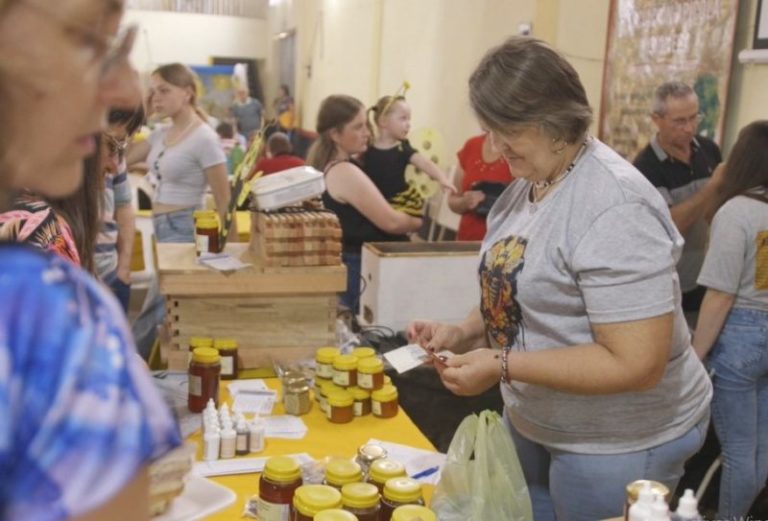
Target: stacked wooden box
<point>277,314</point>
<point>296,237</point>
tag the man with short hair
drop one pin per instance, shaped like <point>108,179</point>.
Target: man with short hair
<point>681,164</point>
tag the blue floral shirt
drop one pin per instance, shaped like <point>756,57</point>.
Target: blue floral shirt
<point>79,414</point>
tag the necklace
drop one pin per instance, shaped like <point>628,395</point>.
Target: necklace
<point>547,183</point>
<point>170,142</point>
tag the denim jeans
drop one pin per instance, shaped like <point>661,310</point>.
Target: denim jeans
<point>121,290</point>
<point>739,359</point>
<point>175,226</point>
<point>584,487</point>
<point>351,297</point>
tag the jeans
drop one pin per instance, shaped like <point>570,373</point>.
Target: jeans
<point>739,359</point>
<point>121,290</point>
<point>175,226</point>
<point>351,297</point>
<point>584,487</point>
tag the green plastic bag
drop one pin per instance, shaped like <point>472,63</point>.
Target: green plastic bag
<point>481,479</point>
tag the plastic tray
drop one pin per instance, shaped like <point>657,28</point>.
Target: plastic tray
<point>287,187</point>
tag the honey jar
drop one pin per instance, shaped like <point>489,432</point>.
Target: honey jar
<point>309,500</point>
<point>325,390</point>
<point>227,348</point>
<point>345,370</point>
<point>361,499</point>
<point>335,514</point>
<point>384,469</point>
<point>341,471</point>
<point>384,402</point>
<point>413,513</point>
<point>398,492</point>
<point>277,485</point>
<point>370,373</point>
<point>340,407</point>
<point>362,398</point>
<point>363,352</point>
<point>204,372</point>
<point>324,361</point>
<point>296,400</point>
<point>206,235</point>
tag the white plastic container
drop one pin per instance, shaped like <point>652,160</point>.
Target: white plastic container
<point>287,187</point>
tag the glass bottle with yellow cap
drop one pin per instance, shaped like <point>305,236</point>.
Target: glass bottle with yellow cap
<point>384,469</point>
<point>308,500</point>
<point>324,361</point>
<point>398,492</point>
<point>361,499</point>
<point>277,485</point>
<point>227,348</point>
<point>340,471</point>
<point>345,370</point>
<point>384,402</point>
<point>370,373</point>
<point>203,378</point>
<point>335,514</point>
<point>413,513</point>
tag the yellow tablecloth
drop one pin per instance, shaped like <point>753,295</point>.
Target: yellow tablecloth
<point>323,439</point>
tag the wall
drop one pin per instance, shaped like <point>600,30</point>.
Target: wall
<point>166,37</point>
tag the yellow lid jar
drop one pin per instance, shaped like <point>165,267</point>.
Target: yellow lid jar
<point>227,348</point>
<point>327,388</point>
<point>413,513</point>
<point>398,492</point>
<point>340,472</point>
<point>363,352</point>
<point>340,407</point>
<point>335,514</point>
<point>309,500</point>
<point>319,382</point>
<point>277,485</point>
<point>370,373</point>
<point>324,361</point>
<point>362,405</point>
<point>345,370</point>
<point>384,469</point>
<point>361,499</point>
<point>384,402</point>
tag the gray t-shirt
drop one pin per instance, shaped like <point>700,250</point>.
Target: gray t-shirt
<point>180,168</point>
<point>737,259</point>
<point>600,248</point>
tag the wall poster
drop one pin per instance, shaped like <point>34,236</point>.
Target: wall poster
<point>653,41</point>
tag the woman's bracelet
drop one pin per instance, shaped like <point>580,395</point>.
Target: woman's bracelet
<point>504,366</point>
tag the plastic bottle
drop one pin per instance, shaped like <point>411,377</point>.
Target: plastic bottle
<point>243,435</point>
<point>687,508</point>
<point>211,444</point>
<point>640,510</point>
<point>228,441</point>
<point>659,509</point>
<point>257,433</point>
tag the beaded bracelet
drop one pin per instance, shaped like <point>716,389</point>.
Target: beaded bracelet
<point>504,366</point>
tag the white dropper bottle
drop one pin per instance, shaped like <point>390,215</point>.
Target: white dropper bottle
<point>687,508</point>
<point>659,509</point>
<point>640,510</point>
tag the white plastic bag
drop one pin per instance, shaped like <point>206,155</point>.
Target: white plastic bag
<point>482,479</point>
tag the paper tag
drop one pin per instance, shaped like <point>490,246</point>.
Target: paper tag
<point>407,357</point>
<point>260,402</point>
<point>221,262</point>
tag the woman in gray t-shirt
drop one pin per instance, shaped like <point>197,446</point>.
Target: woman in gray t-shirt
<point>733,321</point>
<point>580,302</point>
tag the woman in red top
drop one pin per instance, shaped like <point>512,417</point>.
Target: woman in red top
<point>479,176</point>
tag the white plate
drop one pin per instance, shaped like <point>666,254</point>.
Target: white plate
<point>201,497</point>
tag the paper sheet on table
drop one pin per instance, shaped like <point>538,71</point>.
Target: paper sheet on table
<point>225,467</point>
<point>174,387</point>
<point>407,357</point>
<point>285,426</point>
<point>256,384</point>
<point>221,262</point>
<point>250,402</point>
<point>422,465</point>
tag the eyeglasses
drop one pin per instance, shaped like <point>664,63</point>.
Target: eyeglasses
<point>682,123</point>
<point>100,50</point>
<point>115,146</point>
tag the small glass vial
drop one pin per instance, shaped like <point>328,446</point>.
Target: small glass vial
<point>362,405</point>
<point>413,513</point>
<point>204,370</point>
<point>206,235</point>
<point>361,499</point>
<point>335,514</point>
<point>296,400</point>
<point>277,485</point>
<point>324,362</point>
<point>319,382</point>
<point>340,407</point>
<point>363,352</point>
<point>370,373</point>
<point>384,402</point>
<point>340,472</point>
<point>311,499</point>
<point>367,454</point>
<point>385,469</point>
<point>345,371</point>
<point>398,492</point>
<point>227,348</point>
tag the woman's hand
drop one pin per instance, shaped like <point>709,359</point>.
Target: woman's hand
<point>472,198</point>
<point>472,373</point>
<point>435,336</point>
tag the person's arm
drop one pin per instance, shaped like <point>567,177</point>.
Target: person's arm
<point>129,504</point>
<point>137,153</point>
<point>462,202</point>
<point>714,310</point>
<point>700,204</point>
<point>348,184</point>
<point>126,230</point>
<point>625,357</point>
<point>218,180</point>
<point>433,171</point>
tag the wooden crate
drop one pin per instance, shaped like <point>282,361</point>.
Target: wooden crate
<point>276,314</point>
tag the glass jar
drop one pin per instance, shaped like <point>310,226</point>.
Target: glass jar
<point>335,514</point>
<point>398,492</point>
<point>308,500</point>
<point>363,352</point>
<point>341,471</point>
<point>361,499</point>
<point>370,373</point>
<point>367,454</point>
<point>198,341</point>
<point>413,513</point>
<point>362,398</point>
<point>206,235</point>
<point>204,371</point>
<point>340,407</point>
<point>345,371</point>
<point>384,402</point>
<point>277,485</point>
<point>324,361</point>
<point>319,382</point>
<point>296,399</point>
<point>227,348</point>
<point>327,388</point>
<point>385,469</point>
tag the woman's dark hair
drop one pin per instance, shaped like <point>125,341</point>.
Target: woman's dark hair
<point>524,82</point>
<point>131,119</point>
<point>335,112</point>
<point>747,165</point>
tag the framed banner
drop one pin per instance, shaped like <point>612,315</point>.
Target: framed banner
<point>761,26</point>
<point>653,41</point>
